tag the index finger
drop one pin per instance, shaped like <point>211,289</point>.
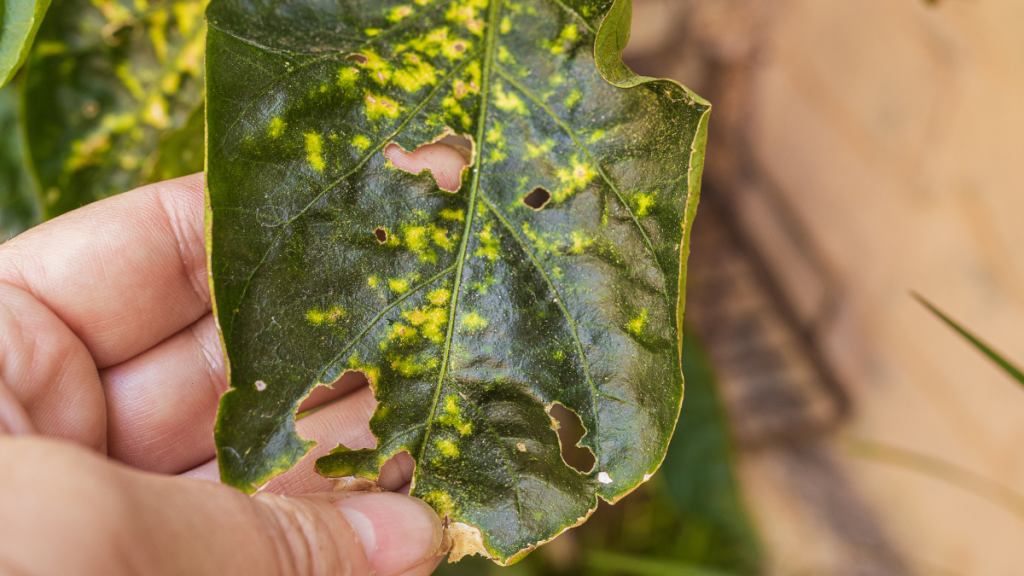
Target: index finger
<point>124,273</point>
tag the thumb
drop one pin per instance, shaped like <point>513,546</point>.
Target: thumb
<point>66,510</point>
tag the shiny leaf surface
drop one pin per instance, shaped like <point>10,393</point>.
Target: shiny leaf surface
<point>19,22</point>
<point>478,312</point>
<point>108,82</point>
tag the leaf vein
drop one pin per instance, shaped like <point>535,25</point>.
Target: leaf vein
<point>362,161</point>
<point>604,175</point>
<point>489,48</point>
<point>565,311</point>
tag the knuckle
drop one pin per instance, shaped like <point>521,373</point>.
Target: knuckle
<point>302,539</point>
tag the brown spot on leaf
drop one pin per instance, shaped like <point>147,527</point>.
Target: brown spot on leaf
<point>381,234</point>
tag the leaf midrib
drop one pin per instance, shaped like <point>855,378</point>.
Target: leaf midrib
<point>494,8</point>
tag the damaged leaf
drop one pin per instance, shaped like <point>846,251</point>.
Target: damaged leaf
<point>19,22</point>
<point>109,83</point>
<point>480,309</point>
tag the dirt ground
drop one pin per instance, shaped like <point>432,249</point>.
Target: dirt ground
<point>859,151</point>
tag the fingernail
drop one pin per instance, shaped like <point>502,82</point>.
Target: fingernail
<point>397,532</point>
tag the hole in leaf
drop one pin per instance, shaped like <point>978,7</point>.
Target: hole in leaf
<point>396,473</point>
<point>357,58</point>
<point>461,143</point>
<point>326,394</point>
<point>538,198</point>
<point>381,234</point>
<point>446,157</point>
<point>570,432</point>
<point>459,46</point>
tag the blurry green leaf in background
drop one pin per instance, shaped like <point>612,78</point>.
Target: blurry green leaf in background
<point>19,206</point>
<point>688,520</point>
<point>107,84</point>
<point>19,22</point>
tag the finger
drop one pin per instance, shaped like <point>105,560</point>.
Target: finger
<point>424,569</point>
<point>443,161</point>
<point>342,423</point>
<point>123,273</point>
<point>114,520</point>
<point>48,382</point>
<point>13,418</point>
<point>162,404</point>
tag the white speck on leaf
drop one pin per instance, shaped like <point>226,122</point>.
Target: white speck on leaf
<point>604,478</point>
<point>261,386</point>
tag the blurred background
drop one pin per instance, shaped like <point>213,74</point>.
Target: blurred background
<point>859,150</point>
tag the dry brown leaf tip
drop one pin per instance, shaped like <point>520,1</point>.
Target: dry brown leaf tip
<point>461,540</point>
<point>356,484</point>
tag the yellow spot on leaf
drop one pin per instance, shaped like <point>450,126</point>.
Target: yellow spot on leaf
<point>347,77</point>
<point>399,285</point>
<point>439,297</point>
<point>448,448</point>
<point>430,320</point>
<point>636,325</point>
<point>314,151</point>
<point>417,74</point>
<point>440,501</point>
<point>508,101</point>
<point>579,243</point>
<point>644,202</point>
<point>452,416</point>
<point>378,106</point>
<point>573,179</point>
<point>360,142</point>
<point>573,97</point>
<point>489,243</point>
<point>542,149</point>
<point>399,12</point>
<point>275,128</point>
<point>449,214</point>
<point>473,321</point>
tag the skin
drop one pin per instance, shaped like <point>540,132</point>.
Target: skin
<point>110,375</point>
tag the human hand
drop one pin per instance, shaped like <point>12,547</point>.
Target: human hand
<point>110,375</point>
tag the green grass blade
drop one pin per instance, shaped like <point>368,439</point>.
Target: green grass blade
<point>985,349</point>
<point>948,472</point>
<point>613,562</point>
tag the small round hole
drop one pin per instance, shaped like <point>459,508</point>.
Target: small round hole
<point>459,47</point>
<point>381,234</point>
<point>538,198</point>
<point>357,58</point>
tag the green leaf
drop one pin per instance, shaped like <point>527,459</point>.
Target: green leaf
<point>1012,370</point>
<point>107,83</point>
<point>700,478</point>
<point>19,207</point>
<point>182,151</point>
<point>19,22</point>
<point>478,313</point>
<point>602,562</point>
